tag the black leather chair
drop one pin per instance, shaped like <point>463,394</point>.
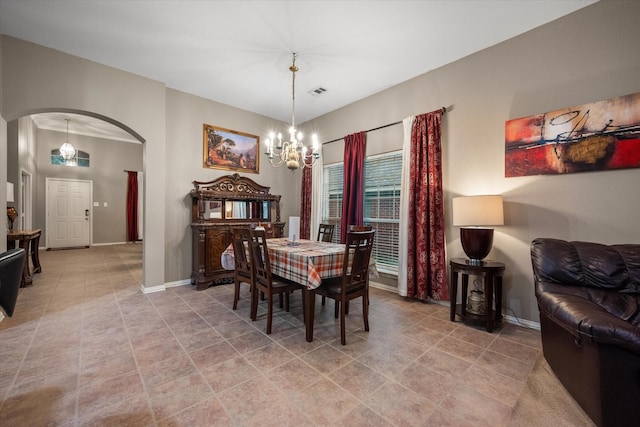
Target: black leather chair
<point>11,265</point>
<point>589,300</point>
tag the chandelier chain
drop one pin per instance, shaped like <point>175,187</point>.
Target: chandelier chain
<point>292,152</point>
<point>293,69</point>
<point>67,150</point>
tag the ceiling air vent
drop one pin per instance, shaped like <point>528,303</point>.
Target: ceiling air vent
<point>318,91</point>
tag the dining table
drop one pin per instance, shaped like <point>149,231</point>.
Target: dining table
<point>306,262</point>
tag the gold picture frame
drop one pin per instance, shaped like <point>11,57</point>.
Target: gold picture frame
<point>230,150</point>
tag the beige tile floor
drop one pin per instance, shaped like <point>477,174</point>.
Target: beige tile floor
<point>87,347</point>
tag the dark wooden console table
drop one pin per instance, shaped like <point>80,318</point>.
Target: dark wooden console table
<point>491,272</point>
<point>29,240</point>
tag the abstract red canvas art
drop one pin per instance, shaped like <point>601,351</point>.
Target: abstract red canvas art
<point>596,136</point>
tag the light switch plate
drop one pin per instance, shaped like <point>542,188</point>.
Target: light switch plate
<point>96,204</point>
<point>105,204</point>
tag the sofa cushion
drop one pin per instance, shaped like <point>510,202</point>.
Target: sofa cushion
<point>593,265</point>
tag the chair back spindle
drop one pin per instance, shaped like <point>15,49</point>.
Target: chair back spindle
<point>325,232</point>
<point>260,257</point>
<point>355,270</point>
<point>244,272</point>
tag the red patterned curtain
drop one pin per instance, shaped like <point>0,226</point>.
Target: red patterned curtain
<point>132,206</point>
<point>353,193</point>
<point>305,203</point>
<point>426,259</point>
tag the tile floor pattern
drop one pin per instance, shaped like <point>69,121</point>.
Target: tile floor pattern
<point>87,347</point>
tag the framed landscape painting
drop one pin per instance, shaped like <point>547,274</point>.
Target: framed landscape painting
<point>230,150</point>
<point>600,135</point>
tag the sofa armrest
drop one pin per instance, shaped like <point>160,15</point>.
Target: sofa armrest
<point>587,320</point>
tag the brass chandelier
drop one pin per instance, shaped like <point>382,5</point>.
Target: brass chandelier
<point>292,153</point>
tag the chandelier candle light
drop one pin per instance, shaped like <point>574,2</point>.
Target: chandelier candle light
<point>292,153</point>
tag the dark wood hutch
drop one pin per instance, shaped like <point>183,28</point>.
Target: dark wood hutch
<point>216,207</point>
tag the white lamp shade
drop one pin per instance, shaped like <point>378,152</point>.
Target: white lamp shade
<point>10,198</point>
<point>294,228</point>
<point>478,211</point>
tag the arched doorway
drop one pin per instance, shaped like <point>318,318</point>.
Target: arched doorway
<point>36,133</point>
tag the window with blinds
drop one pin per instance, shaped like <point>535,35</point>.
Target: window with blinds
<point>332,197</point>
<point>382,177</point>
<point>381,204</point>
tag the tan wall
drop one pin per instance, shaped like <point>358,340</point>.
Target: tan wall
<point>170,122</point>
<point>587,56</point>
<point>186,115</point>
<point>108,161</point>
<point>37,78</point>
<point>3,180</point>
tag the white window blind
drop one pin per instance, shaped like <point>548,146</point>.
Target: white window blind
<point>332,197</point>
<point>381,204</point>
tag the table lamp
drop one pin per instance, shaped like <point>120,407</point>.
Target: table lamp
<point>11,211</point>
<point>474,214</point>
<point>294,230</point>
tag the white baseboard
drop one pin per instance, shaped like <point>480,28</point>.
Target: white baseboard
<point>152,289</point>
<point>164,287</point>
<point>178,283</point>
<point>382,286</point>
<point>521,322</point>
<point>506,318</point>
<point>110,243</point>
<point>44,248</point>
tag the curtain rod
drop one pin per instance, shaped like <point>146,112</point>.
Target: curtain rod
<point>443,109</point>
<point>131,171</point>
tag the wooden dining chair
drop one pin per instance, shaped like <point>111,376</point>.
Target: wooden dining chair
<point>355,228</point>
<point>360,228</point>
<point>325,232</point>
<point>244,270</point>
<point>266,282</point>
<point>354,281</point>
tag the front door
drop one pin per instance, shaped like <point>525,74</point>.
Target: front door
<point>68,219</point>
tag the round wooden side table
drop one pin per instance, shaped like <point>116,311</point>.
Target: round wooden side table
<point>491,272</point>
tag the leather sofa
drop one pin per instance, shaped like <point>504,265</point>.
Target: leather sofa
<point>588,295</point>
<point>11,265</point>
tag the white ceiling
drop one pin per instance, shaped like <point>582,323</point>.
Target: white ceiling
<point>238,52</point>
